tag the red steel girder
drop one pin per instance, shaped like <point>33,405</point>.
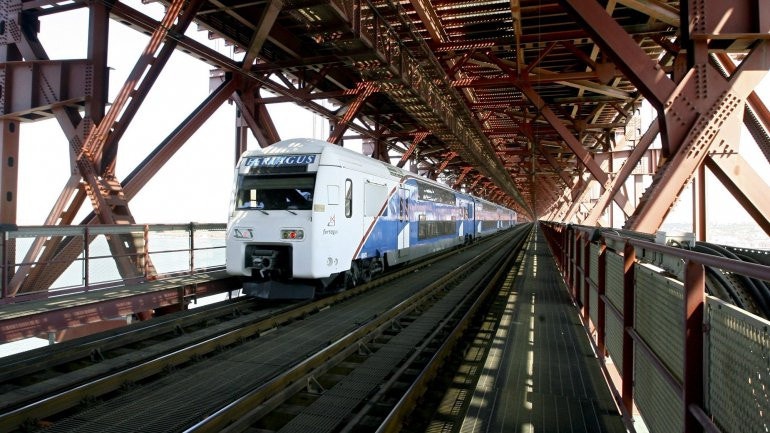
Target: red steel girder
<point>460,178</point>
<point>266,21</point>
<point>62,249</point>
<point>9,170</point>
<point>256,116</point>
<point>617,182</point>
<point>363,90</point>
<point>146,24</point>
<point>715,130</point>
<point>33,325</point>
<point>582,155</point>
<point>516,81</point>
<point>748,188</point>
<point>32,88</point>
<point>145,170</point>
<point>418,137</point>
<point>637,66</point>
<point>102,142</point>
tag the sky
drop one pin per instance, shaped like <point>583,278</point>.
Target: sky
<point>195,185</point>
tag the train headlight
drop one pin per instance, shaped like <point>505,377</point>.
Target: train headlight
<point>292,235</point>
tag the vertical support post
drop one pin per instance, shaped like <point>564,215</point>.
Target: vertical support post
<point>601,310</point>
<point>86,258</point>
<point>694,306</point>
<point>9,178</point>
<point>629,258</point>
<point>577,277</point>
<point>565,250</point>
<point>146,253</point>
<point>241,137</point>
<point>568,259</point>
<point>9,170</point>
<point>192,247</point>
<point>586,278</point>
<point>699,204</point>
<point>4,265</point>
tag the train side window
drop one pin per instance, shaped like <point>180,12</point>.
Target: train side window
<point>348,198</point>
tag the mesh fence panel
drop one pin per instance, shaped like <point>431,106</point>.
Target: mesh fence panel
<point>615,279</point>
<point>659,405</point>
<point>738,369</point>
<point>659,317</point>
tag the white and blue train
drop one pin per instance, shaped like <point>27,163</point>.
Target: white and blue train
<point>307,215</point>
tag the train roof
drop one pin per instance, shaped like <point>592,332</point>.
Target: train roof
<point>331,154</point>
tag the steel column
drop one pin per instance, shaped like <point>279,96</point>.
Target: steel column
<point>627,393</point>
<point>745,184</point>
<point>601,312</point>
<point>617,182</point>
<point>582,155</point>
<point>9,170</point>
<point>694,306</point>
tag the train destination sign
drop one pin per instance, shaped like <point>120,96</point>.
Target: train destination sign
<point>279,160</point>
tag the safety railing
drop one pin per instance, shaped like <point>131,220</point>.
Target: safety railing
<point>686,360</point>
<point>107,256</point>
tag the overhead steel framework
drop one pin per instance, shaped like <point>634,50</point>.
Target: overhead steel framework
<point>530,103</point>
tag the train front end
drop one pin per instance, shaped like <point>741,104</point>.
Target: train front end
<point>268,232</point>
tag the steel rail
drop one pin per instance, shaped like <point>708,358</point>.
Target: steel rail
<point>394,420</point>
<point>25,363</point>
<point>239,414</point>
<point>64,399</point>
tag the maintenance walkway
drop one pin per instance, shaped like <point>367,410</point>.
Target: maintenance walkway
<point>541,373</point>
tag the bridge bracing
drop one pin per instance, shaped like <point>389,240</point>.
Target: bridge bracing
<point>528,103</point>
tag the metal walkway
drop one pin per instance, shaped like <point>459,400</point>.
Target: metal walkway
<point>57,314</point>
<point>541,374</point>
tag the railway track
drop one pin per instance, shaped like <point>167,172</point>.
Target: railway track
<point>223,379</point>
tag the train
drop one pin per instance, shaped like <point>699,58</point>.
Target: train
<point>307,216</point>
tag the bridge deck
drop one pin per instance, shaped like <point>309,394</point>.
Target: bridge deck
<point>541,373</point>
<point>56,313</point>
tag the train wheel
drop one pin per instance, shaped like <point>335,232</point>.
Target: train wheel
<point>366,276</point>
<point>352,276</point>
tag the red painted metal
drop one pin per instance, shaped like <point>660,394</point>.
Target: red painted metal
<point>713,132</point>
<point>694,307</point>
<point>618,181</point>
<point>629,261</point>
<point>744,184</point>
<point>601,313</point>
<point>586,280</point>
<point>55,320</point>
<point>9,170</point>
<point>418,137</point>
<point>362,92</point>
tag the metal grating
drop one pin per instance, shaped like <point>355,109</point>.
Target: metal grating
<point>335,406</point>
<point>659,310</point>
<point>593,305</point>
<point>738,368</point>
<point>593,273</point>
<point>660,406</point>
<point>594,263</point>
<point>614,340</point>
<point>615,279</point>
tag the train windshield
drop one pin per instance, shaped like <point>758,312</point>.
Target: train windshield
<point>276,192</point>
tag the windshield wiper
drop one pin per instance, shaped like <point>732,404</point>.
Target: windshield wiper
<point>291,211</point>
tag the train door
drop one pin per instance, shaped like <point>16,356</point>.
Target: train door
<point>403,221</point>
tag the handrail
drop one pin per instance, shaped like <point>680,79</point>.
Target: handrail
<point>173,249</point>
<point>675,338</point>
